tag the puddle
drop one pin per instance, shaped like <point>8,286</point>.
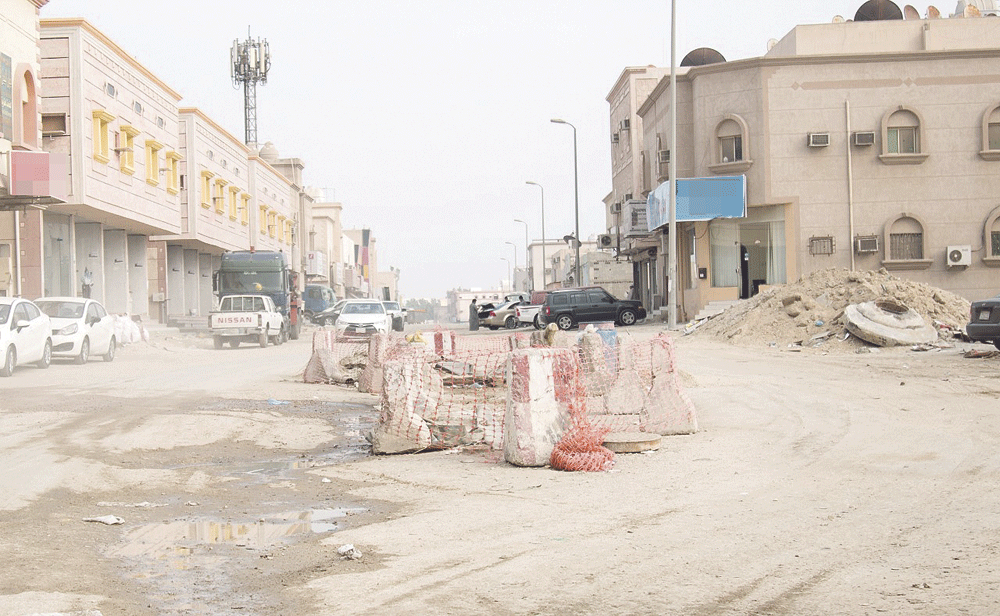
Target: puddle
<point>183,537</point>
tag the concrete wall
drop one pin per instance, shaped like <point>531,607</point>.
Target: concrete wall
<point>138,279</point>
<point>175,280</point>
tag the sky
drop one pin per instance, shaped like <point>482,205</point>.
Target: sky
<point>425,119</point>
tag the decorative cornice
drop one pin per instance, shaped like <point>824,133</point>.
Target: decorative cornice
<point>207,120</point>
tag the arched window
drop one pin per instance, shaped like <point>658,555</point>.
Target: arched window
<point>903,140</point>
<point>25,110</point>
<point>905,242</point>
<point>732,146</point>
<point>990,149</point>
<point>991,236</point>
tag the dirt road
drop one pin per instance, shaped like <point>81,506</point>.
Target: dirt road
<point>818,484</point>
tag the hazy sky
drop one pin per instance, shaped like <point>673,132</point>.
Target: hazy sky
<point>425,119</point>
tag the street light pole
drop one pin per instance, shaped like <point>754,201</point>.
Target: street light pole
<point>527,255</point>
<point>513,248</point>
<point>545,265</point>
<point>672,172</point>
<point>576,202</point>
<point>508,271</point>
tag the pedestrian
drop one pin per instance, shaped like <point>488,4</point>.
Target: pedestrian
<point>88,281</point>
<point>473,316</point>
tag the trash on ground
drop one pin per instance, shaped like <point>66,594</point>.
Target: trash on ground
<point>106,519</point>
<point>349,552</point>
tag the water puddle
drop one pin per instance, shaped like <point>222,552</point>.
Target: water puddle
<point>181,538</point>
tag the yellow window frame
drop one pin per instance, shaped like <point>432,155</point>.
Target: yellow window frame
<point>245,210</point>
<point>219,198</point>
<point>206,188</point>
<point>126,155</point>
<point>173,172</point>
<point>234,192</point>
<point>102,135</point>
<point>153,148</point>
<point>263,220</point>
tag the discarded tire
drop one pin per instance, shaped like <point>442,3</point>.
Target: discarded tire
<point>887,323</point>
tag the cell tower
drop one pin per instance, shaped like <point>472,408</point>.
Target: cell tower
<point>250,62</point>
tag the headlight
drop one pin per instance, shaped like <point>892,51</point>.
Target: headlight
<point>68,330</point>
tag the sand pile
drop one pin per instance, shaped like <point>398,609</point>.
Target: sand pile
<point>810,312</point>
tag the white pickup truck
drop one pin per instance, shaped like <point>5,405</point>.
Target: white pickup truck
<point>527,314</point>
<point>247,318</point>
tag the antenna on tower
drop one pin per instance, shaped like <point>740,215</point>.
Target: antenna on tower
<point>250,62</point>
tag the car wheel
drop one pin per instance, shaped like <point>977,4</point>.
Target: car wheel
<point>510,322</point>
<point>218,342</point>
<point>564,322</point>
<point>112,347</point>
<point>627,317</point>
<point>284,336</point>
<point>538,323</point>
<point>84,352</point>
<point>262,339</point>
<point>234,344</point>
<point>46,359</point>
<point>329,321</point>
<point>9,361</point>
<point>494,327</point>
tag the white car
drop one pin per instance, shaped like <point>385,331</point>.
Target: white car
<point>362,318</point>
<point>25,335</point>
<point>80,327</point>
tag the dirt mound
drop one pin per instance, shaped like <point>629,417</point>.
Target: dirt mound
<point>810,312</point>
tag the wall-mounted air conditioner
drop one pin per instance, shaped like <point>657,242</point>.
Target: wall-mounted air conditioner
<point>865,244</point>
<point>614,138</point>
<point>616,208</point>
<point>819,140</point>
<point>959,256</point>
<point>604,240</point>
<point>864,138</point>
<point>663,156</point>
<point>624,124</point>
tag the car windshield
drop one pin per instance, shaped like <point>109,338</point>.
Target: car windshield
<point>365,308</point>
<point>62,310</point>
<point>391,305</point>
<point>4,312</point>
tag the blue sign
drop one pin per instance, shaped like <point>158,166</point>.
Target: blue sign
<point>699,199</point>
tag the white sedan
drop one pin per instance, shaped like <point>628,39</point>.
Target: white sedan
<point>80,327</point>
<point>362,318</point>
<point>25,335</point>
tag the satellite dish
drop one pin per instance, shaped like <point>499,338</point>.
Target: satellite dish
<point>838,19</point>
<point>702,56</point>
<point>909,12</point>
<point>771,43</point>
<point>933,13</point>
<point>878,10</point>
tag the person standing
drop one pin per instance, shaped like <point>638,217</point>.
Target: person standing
<point>473,316</point>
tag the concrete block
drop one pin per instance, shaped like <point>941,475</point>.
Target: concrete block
<point>535,420</point>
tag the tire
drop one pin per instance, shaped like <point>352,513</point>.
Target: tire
<point>329,321</point>
<point>564,321</point>
<point>510,322</point>
<point>537,323</point>
<point>9,361</point>
<point>84,352</point>
<point>234,343</point>
<point>494,327</point>
<point>262,339</point>
<point>284,336</point>
<point>627,317</point>
<point>112,347</point>
<point>218,342</point>
<point>46,359</point>
<point>277,339</point>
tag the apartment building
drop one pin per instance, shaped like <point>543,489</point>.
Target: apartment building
<point>865,144</point>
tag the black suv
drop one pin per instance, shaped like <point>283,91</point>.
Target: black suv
<point>569,307</point>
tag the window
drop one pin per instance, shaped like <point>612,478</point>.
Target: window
<point>731,148</point>
<point>234,195</point>
<point>206,188</point>
<point>905,243</point>
<point>598,297</point>
<point>126,153</point>
<point>280,228</point>
<point>153,148</point>
<point>271,218</point>
<point>995,243</point>
<point>990,148</point>
<point>993,136</point>
<point>102,135</point>
<point>903,139</point>
<point>173,160</point>
<point>245,210</point>
<point>822,245</point>
<point>219,198</point>
<point>992,233</point>
<point>289,227</point>
<point>732,151</point>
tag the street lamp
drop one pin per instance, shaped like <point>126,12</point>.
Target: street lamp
<point>527,254</point>
<point>513,247</point>
<point>545,265</point>
<point>508,271</point>
<point>576,201</point>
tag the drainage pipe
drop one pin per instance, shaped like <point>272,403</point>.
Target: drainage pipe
<point>850,183</point>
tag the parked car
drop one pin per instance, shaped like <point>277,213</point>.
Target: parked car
<point>527,313</point>
<point>984,321</point>
<point>397,315</point>
<point>362,318</point>
<point>80,327</point>
<point>570,307</point>
<point>328,316</point>
<point>501,316</point>
<point>317,299</point>
<point>25,335</point>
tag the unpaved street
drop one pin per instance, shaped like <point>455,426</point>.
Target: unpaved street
<point>818,484</point>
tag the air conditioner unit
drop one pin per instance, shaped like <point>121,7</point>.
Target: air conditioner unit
<point>959,256</point>
<point>624,124</point>
<point>159,297</point>
<point>663,156</point>
<point>628,196</point>
<point>604,240</point>
<point>866,244</point>
<point>614,138</point>
<point>616,208</point>
<point>819,140</point>
<point>864,138</point>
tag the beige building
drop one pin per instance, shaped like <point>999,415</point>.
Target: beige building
<point>864,145</point>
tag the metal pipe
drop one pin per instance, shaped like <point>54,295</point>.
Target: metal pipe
<point>850,183</point>
<point>527,256</point>
<point>576,204</point>
<point>672,171</point>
